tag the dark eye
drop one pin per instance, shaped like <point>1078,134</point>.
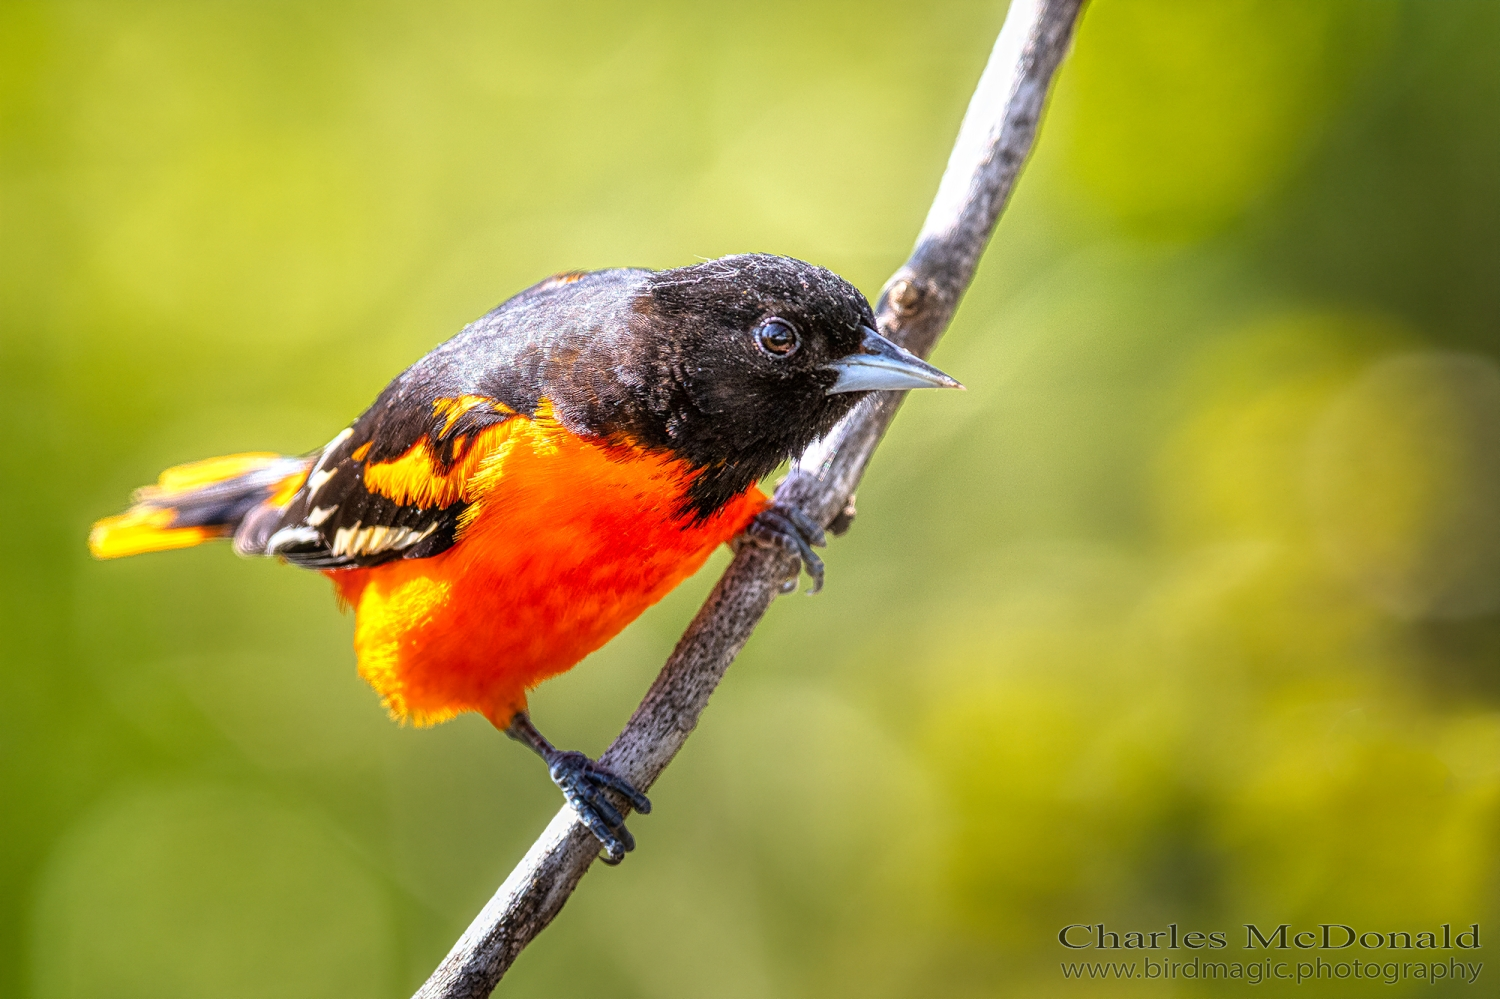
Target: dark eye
<point>777,338</point>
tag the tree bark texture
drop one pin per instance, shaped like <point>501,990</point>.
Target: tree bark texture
<point>914,309</point>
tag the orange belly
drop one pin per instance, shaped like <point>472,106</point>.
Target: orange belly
<point>570,545</point>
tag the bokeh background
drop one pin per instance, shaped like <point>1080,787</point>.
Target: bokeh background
<point>1188,611</point>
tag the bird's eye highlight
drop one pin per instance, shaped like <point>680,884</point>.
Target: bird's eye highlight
<point>777,338</point>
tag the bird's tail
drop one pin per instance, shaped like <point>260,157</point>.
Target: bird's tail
<point>192,503</point>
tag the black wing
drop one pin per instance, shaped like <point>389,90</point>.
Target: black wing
<point>432,417</point>
<point>339,519</point>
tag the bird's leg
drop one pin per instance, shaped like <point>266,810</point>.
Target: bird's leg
<point>787,527</point>
<point>583,782</point>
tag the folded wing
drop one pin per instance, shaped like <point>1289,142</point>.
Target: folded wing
<point>395,484</point>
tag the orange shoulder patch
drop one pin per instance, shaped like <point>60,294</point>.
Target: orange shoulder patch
<point>451,409</point>
<point>418,478</point>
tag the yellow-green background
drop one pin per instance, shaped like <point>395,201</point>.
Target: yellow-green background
<point>1185,612</point>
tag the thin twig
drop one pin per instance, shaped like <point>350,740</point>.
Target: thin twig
<point>914,309</point>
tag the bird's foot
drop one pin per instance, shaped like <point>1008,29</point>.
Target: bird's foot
<point>788,528</point>
<point>585,784</point>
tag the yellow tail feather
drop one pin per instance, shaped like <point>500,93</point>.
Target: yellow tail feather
<point>155,521</point>
<point>181,479</point>
<point>144,529</point>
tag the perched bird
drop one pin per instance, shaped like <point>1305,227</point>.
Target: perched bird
<point>523,492</point>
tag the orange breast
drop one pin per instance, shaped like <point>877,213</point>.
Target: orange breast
<point>567,543</point>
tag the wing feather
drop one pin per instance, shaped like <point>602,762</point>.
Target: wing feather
<point>392,485</point>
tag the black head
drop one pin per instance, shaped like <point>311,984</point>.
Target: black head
<point>748,359</point>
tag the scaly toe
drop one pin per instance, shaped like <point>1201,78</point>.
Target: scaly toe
<point>793,531</point>
<point>584,783</point>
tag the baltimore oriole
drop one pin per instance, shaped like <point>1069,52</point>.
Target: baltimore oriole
<point>524,491</point>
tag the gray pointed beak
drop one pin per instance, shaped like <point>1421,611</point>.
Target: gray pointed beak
<point>881,365</point>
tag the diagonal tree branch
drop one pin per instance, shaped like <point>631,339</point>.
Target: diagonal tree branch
<point>915,308</point>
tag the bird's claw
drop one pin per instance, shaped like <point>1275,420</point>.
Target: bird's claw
<point>584,783</point>
<point>788,528</point>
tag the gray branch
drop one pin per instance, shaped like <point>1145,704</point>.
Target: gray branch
<point>915,308</point>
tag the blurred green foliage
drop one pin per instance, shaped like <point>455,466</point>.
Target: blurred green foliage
<point>1185,612</point>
